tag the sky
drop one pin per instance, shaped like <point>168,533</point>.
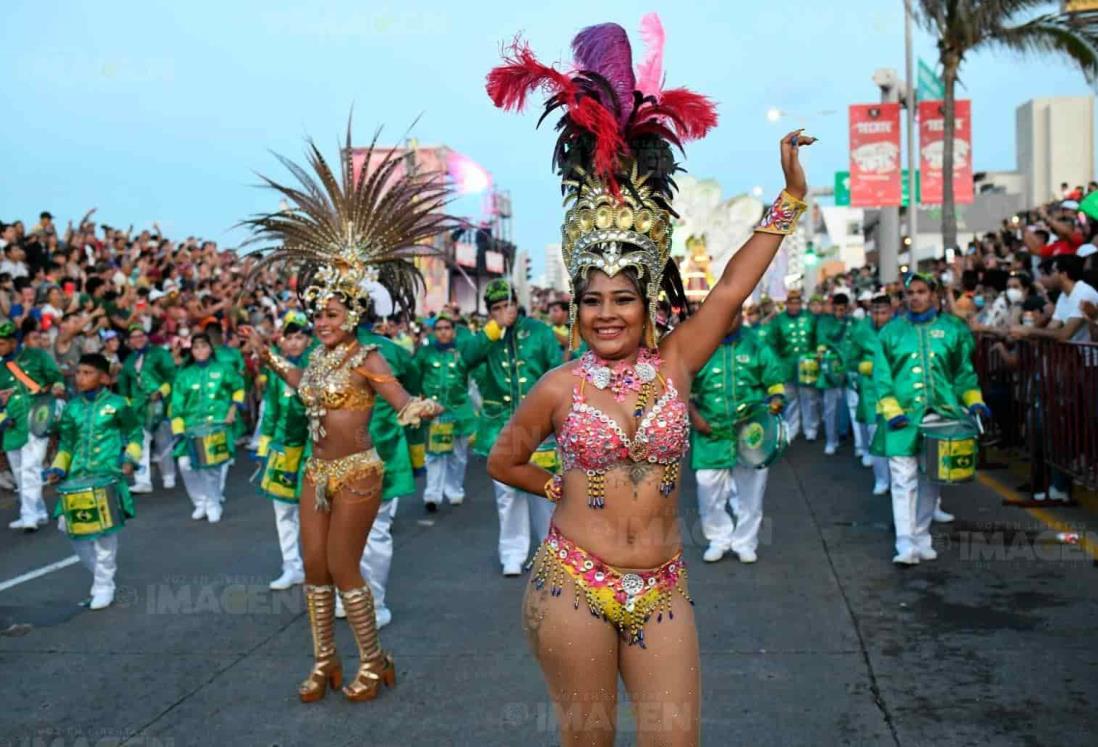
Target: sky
<point>166,111</point>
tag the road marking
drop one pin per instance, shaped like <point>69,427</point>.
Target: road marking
<point>31,575</point>
<point>1040,514</point>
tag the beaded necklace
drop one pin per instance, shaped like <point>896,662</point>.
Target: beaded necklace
<point>620,377</point>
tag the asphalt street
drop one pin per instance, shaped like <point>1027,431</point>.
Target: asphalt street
<point>822,642</point>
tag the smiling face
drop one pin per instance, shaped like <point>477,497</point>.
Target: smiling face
<point>611,315</point>
<point>329,323</point>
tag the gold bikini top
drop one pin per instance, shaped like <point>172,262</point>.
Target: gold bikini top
<point>326,384</point>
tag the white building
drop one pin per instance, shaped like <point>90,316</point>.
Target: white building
<point>1055,144</point>
<point>556,275</point>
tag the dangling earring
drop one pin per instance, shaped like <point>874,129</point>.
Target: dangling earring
<point>650,327</point>
<point>573,333</point>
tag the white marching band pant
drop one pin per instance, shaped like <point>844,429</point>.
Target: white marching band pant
<point>881,472</point>
<point>446,473</point>
<point>861,445</point>
<point>741,489</point>
<point>161,438</point>
<point>289,530</point>
<point>914,499</point>
<point>802,410</point>
<point>99,556</point>
<point>26,468</point>
<point>519,513</point>
<point>205,487</point>
<point>377,556</point>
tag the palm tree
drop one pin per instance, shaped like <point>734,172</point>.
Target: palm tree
<point>964,26</point>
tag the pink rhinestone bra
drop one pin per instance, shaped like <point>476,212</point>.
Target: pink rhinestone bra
<point>592,441</point>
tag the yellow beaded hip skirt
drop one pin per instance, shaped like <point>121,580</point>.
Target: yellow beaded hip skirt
<point>330,475</point>
<point>624,598</point>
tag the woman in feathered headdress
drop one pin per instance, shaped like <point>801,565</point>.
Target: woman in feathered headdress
<point>349,240</point>
<point>619,413</point>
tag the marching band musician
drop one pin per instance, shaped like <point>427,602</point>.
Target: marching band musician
<point>517,351</point>
<point>23,375</point>
<point>923,371</point>
<point>283,441</point>
<point>206,392</point>
<point>100,436</point>
<point>863,346</point>
<point>146,378</point>
<point>444,377</point>
<point>833,337</point>
<point>743,370</point>
<point>792,333</point>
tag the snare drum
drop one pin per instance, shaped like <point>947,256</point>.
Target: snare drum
<point>44,415</point>
<point>950,450</point>
<point>808,370</point>
<point>761,436</point>
<point>440,435</point>
<point>92,506</point>
<point>208,445</point>
<point>280,474</point>
<point>154,413</point>
<point>546,455</point>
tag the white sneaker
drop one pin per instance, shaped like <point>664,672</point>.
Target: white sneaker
<point>199,513</point>
<point>867,459</point>
<point>713,553</point>
<point>909,557</point>
<point>287,580</point>
<point>142,488</point>
<point>383,617</point>
<point>28,526</point>
<point>101,599</point>
<point>513,568</point>
<point>830,449</point>
<point>456,501</point>
<point>1040,496</point>
<point>927,554</point>
<point>943,517</point>
<point>340,612</point>
<point>747,556</point>
<point>7,481</point>
<point>1058,495</point>
<point>213,513</point>
<point>169,485</point>
<point>881,489</point>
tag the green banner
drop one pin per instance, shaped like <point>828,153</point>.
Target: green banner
<point>929,86</point>
<point>842,187</point>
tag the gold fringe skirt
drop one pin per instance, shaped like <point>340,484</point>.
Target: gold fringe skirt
<point>329,475</point>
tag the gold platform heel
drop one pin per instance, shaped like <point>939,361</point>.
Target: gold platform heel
<point>327,669</point>
<point>375,666</point>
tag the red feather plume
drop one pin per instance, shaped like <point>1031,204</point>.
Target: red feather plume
<point>694,115</point>
<point>510,83</point>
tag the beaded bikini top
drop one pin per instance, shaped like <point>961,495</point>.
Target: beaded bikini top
<point>592,441</point>
<point>326,384</point>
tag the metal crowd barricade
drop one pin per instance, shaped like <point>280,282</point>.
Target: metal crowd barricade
<point>1044,405</point>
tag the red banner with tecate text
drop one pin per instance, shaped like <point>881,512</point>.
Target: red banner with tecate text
<point>875,155</point>
<point>931,147</point>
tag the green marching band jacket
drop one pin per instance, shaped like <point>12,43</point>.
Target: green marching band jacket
<point>792,337</point>
<point>514,359</point>
<point>388,435</point>
<point>98,434</point>
<point>144,373</point>
<point>232,358</point>
<point>833,334</point>
<point>285,431</point>
<point>444,377</point>
<point>863,348</point>
<point>203,393</point>
<point>921,367</point>
<point>743,370</point>
<point>38,366</point>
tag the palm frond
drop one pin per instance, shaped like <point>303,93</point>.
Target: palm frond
<point>1056,33</point>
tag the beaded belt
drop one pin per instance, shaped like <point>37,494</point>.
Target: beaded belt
<point>329,475</point>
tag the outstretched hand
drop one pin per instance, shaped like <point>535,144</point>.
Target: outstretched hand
<point>796,183</point>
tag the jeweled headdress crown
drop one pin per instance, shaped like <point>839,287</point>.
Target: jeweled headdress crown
<point>355,237</point>
<point>613,152</point>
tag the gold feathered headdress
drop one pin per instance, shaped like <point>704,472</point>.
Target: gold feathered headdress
<point>344,237</point>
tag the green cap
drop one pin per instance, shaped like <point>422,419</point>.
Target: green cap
<point>498,290</point>
<point>930,280</point>
<point>7,330</point>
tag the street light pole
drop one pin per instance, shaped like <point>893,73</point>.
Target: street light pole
<point>912,156</point>
<point>888,228</point>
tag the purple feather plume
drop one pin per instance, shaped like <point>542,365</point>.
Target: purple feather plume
<point>604,49</point>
